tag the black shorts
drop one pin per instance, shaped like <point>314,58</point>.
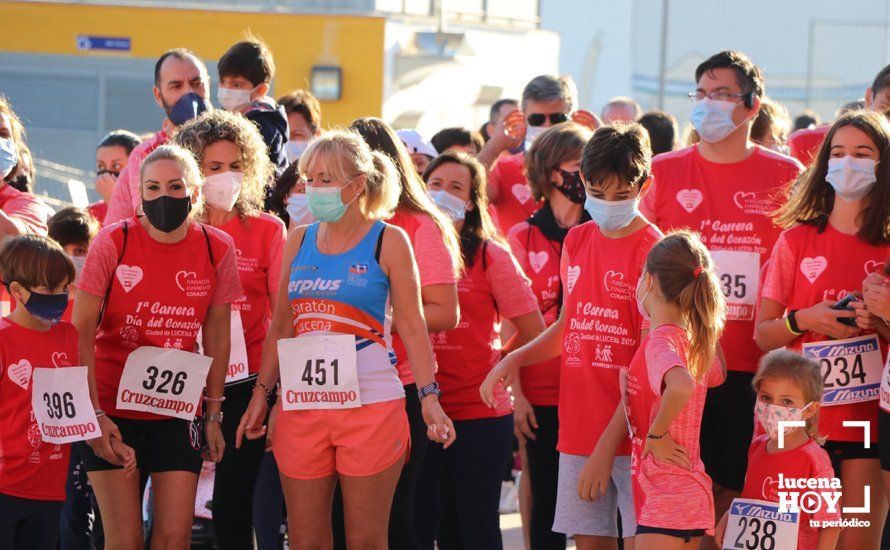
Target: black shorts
<point>726,430</point>
<point>685,534</point>
<point>884,435</point>
<point>161,445</point>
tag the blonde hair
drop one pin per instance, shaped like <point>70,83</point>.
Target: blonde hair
<point>191,174</point>
<point>802,372</point>
<point>218,125</point>
<point>685,273</point>
<point>345,156</point>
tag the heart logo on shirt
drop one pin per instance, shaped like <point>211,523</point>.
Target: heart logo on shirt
<point>770,489</point>
<point>572,273</point>
<point>689,199</point>
<point>872,266</point>
<point>813,267</point>
<point>741,197</point>
<point>60,359</point>
<point>20,373</point>
<point>128,276</point>
<point>522,192</point>
<point>538,260</point>
<point>183,276</point>
<point>610,278</point>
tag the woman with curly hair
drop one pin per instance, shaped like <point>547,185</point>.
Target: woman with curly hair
<point>236,169</point>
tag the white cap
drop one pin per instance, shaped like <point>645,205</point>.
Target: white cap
<point>416,144</point>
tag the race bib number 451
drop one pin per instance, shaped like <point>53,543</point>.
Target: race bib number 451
<point>758,525</point>
<point>163,381</point>
<point>739,274</point>
<point>62,408</point>
<point>851,368</point>
<point>319,372</point>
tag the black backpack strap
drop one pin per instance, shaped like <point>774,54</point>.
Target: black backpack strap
<point>209,248</point>
<point>379,244</point>
<point>125,227</point>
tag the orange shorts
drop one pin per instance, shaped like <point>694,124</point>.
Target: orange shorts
<point>355,442</point>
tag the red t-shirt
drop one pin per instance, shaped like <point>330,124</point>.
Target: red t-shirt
<point>666,495</point>
<point>30,468</point>
<point>808,461</point>
<point>24,209</point>
<point>602,329</point>
<point>433,266</point>
<point>808,267</point>
<point>491,289</point>
<point>159,295</point>
<point>98,210</point>
<point>539,258</point>
<point>805,143</point>
<point>515,202</point>
<point>730,206</point>
<point>259,241</point>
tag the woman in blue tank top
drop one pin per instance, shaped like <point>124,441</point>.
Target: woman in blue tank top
<point>340,412</point>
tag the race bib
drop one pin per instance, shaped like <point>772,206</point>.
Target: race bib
<point>851,368</point>
<point>758,525</point>
<point>238,369</point>
<point>739,274</point>
<point>319,372</point>
<point>163,381</point>
<point>62,408</point>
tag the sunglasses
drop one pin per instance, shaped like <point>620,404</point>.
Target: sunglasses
<point>538,119</point>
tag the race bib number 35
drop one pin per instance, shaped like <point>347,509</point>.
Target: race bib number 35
<point>62,408</point>
<point>163,381</point>
<point>758,525</point>
<point>851,368</point>
<point>319,372</point>
<point>739,274</point>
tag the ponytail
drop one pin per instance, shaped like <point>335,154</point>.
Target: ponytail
<point>685,273</point>
<point>382,190</point>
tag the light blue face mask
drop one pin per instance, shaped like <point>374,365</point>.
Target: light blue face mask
<point>612,215</point>
<point>325,202</point>
<point>712,119</point>
<point>449,204</point>
<point>9,156</point>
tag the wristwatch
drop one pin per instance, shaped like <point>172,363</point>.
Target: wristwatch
<point>213,417</point>
<point>429,389</point>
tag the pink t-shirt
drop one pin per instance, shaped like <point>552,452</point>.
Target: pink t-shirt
<point>24,209</point>
<point>433,265</point>
<point>666,495</point>
<point>126,196</point>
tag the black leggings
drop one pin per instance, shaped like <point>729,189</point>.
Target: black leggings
<point>27,524</point>
<point>236,475</point>
<point>460,487</point>
<point>543,472</point>
<point>401,515</point>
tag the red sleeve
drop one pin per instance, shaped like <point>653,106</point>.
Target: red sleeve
<point>663,352</point>
<point>27,212</point>
<point>273,276</point>
<point>228,284</point>
<point>433,257</point>
<point>120,206</point>
<point>822,469</point>
<point>98,269</point>
<point>510,288</point>
<point>517,247</point>
<point>779,282</point>
<point>495,177</point>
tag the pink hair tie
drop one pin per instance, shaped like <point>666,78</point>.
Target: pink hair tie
<point>698,271</point>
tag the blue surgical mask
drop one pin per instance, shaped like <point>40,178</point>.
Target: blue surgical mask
<point>325,202</point>
<point>851,178</point>
<point>48,308</point>
<point>9,156</point>
<point>189,106</point>
<point>612,215</point>
<point>449,204</point>
<point>712,119</point>
<point>298,209</point>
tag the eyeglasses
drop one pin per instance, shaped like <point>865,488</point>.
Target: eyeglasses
<point>699,95</point>
<point>539,119</point>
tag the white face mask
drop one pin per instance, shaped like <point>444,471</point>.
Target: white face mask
<point>294,149</point>
<point>298,209</point>
<point>531,134</point>
<point>230,98</point>
<point>9,156</point>
<point>712,119</point>
<point>612,215</point>
<point>641,299</point>
<point>851,178</point>
<point>449,204</point>
<point>78,262</point>
<point>769,416</point>
<point>222,190</point>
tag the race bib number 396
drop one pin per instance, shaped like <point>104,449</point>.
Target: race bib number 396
<point>758,525</point>
<point>319,372</point>
<point>163,381</point>
<point>62,408</point>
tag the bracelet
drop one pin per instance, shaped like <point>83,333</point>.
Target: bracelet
<point>99,413</point>
<point>430,389</point>
<point>209,399</point>
<point>791,323</point>
<point>650,436</point>
<point>265,388</point>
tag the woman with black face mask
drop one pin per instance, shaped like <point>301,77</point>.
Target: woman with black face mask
<point>150,283</point>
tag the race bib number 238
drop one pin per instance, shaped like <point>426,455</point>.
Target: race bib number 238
<point>758,525</point>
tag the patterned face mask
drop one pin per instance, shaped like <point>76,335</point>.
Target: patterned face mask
<point>769,416</point>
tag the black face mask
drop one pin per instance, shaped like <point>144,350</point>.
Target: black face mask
<point>572,187</point>
<point>167,213</point>
<point>113,173</point>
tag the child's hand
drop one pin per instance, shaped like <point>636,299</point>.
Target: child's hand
<point>595,476</point>
<point>666,449</point>
<point>524,421</point>
<point>505,371</point>
<point>720,530</point>
<point>125,454</point>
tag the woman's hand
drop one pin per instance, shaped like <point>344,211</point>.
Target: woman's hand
<point>524,421</point>
<point>439,426</point>
<point>821,319</point>
<point>251,424</point>
<point>721,530</point>
<point>125,453</point>
<point>666,449</point>
<point>876,294</point>
<point>864,318</point>
<point>505,371</point>
<point>101,445</point>
<point>595,477</point>
<point>216,444</point>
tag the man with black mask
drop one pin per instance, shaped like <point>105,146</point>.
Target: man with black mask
<point>181,89</point>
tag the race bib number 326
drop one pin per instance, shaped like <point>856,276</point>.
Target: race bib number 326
<point>163,381</point>
<point>319,372</point>
<point>62,408</point>
<point>758,525</point>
